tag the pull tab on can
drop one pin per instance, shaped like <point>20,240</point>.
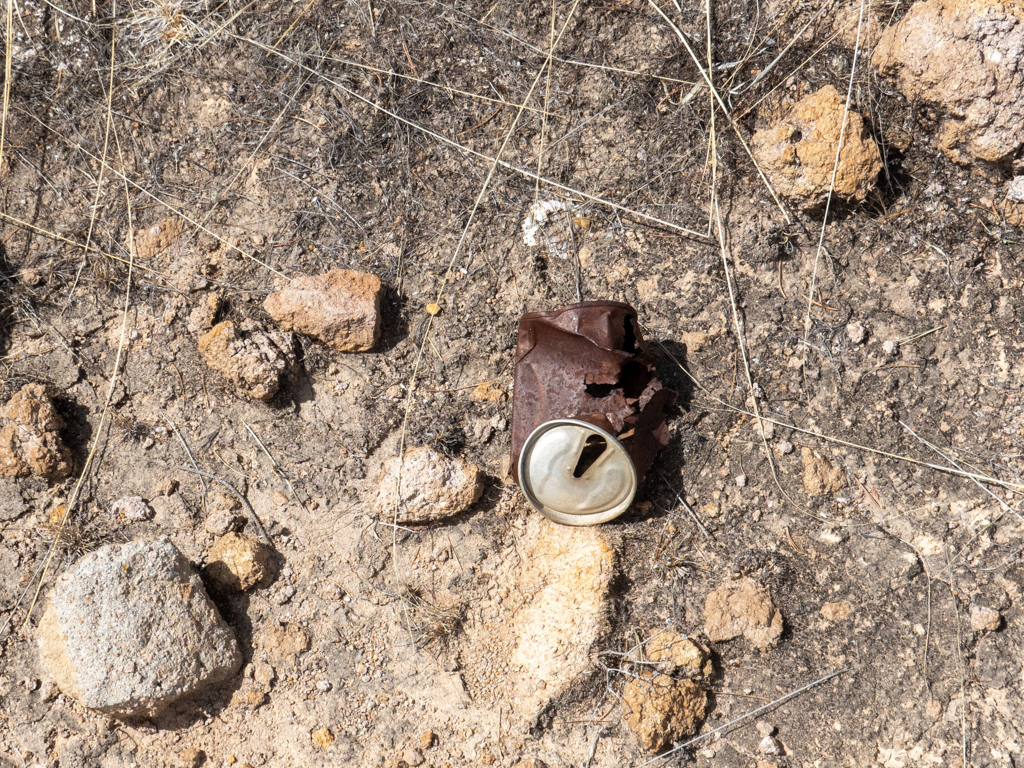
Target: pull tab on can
<point>576,473</point>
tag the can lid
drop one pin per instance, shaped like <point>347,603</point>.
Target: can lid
<point>576,473</point>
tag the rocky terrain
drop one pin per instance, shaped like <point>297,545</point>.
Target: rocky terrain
<point>261,268</point>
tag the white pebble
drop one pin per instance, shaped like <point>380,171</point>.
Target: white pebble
<point>856,332</point>
<point>769,746</point>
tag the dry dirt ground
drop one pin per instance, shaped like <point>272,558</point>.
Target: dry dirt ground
<point>246,143</point>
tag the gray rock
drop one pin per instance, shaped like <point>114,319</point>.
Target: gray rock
<point>130,629</point>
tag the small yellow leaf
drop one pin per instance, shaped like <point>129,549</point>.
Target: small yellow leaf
<point>433,309</point>
<point>582,222</point>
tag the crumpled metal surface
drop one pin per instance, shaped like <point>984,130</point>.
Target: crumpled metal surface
<point>589,362</point>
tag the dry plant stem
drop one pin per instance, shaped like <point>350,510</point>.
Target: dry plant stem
<point>481,155</point>
<point>963,673</point>
<point>725,110</point>
<point>429,84</point>
<point>61,239</point>
<point>302,13</point>
<point>747,716</point>
<point>257,523</point>
<point>782,80</point>
<point>743,353</point>
<point>21,597</point>
<point>177,212</point>
<point>70,506</point>
<point>835,171</point>
<point>444,284</point>
<point>103,166</point>
<point>202,481</point>
<point>277,468</point>
<point>575,62</point>
<point>544,114</point>
<point>761,75</point>
<point>8,56</point>
<point>252,155</point>
<point>198,46</point>
<point>593,746</point>
<point>687,507</point>
<point>1006,507</point>
<point>712,135</point>
<point>839,441</point>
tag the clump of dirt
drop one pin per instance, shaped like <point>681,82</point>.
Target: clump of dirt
<point>962,59</point>
<point>660,709</point>
<point>821,476</point>
<point>154,240</point>
<point>30,438</point>
<point>677,654</point>
<point>798,153</point>
<point>742,608</point>
<point>238,562</point>
<point>252,358</point>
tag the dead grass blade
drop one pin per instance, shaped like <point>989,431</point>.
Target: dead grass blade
<point>746,716</point>
<point>832,181</point>
<point>8,58</point>
<point>838,440</point>
<point>123,335</point>
<point>483,155</point>
<point>725,110</point>
<point>444,284</point>
<point>160,201</point>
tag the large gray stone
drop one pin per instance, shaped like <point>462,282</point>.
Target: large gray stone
<point>130,629</point>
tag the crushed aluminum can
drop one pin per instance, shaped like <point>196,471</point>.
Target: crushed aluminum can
<point>588,411</point>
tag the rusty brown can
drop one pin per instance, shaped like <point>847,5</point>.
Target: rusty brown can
<point>588,411</point>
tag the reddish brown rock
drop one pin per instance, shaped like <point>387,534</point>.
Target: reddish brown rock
<point>341,308</point>
<point>30,441</point>
<point>799,152</point>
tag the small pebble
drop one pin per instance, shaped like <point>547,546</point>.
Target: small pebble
<point>856,332</point>
<point>889,347</point>
<point>133,508</point>
<point>785,447</point>
<point>764,728</point>
<point>741,481</point>
<point>283,596</point>
<point>769,746</point>
<point>413,757</point>
<point>985,619</point>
